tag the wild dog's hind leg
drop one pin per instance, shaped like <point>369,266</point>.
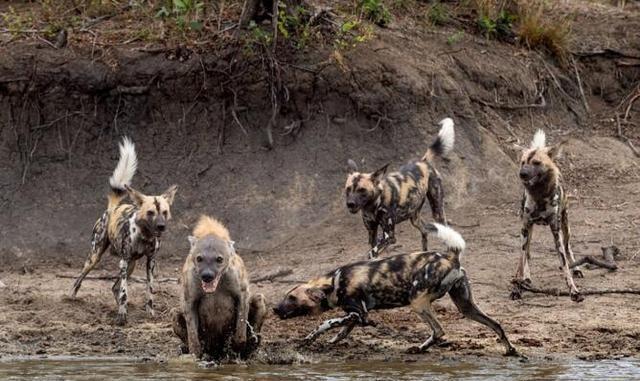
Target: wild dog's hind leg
<point>461,295</point>
<point>418,223</point>
<point>523,273</point>
<point>422,306</point>
<point>435,195</point>
<point>99,244</point>
<point>564,263</point>
<point>120,290</point>
<point>566,234</point>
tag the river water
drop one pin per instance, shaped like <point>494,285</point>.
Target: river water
<point>108,369</point>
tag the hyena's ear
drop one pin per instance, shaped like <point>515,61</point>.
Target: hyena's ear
<point>170,194</point>
<point>137,197</point>
<point>352,165</point>
<point>316,295</point>
<point>232,247</point>
<point>192,241</point>
<point>375,176</point>
<point>555,151</point>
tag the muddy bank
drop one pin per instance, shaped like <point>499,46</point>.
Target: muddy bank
<point>203,127</point>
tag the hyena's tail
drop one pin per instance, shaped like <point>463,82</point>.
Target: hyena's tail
<point>451,238</point>
<point>443,143</point>
<point>122,175</point>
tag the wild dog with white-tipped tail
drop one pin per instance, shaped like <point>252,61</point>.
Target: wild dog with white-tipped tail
<point>544,202</point>
<point>387,200</point>
<point>131,231</point>
<point>415,279</point>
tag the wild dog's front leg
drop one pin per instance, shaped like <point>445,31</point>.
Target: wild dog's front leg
<point>523,273</point>
<point>151,285</point>
<point>351,318</point>
<point>564,263</point>
<point>388,237</point>
<point>122,295</point>
<point>242,317</point>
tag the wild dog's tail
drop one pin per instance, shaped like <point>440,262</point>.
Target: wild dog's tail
<point>451,238</point>
<point>443,143</point>
<point>122,175</point>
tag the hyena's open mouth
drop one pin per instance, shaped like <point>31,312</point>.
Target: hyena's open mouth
<point>209,287</point>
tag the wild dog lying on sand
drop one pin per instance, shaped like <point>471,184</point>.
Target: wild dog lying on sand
<point>415,279</point>
<point>389,200</point>
<point>132,231</point>
<point>544,203</point>
<point>216,303</point>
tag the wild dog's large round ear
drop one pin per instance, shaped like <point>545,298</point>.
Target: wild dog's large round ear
<point>170,193</point>
<point>192,241</point>
<point>352,165</point>
<point>315,294</point>
<point>377,174</point>
<point>555,151</point>
<point>137,197</point>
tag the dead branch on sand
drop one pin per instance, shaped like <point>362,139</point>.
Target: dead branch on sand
<point>609,262</point>
<point>271,276</point>
<point>110,277</point>
<point>625,139</point>
<point>524,286</point>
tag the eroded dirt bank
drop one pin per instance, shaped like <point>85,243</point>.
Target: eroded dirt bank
<point>63,112</point>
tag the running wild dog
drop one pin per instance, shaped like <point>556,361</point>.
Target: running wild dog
<point>544,202</point>
<point>387,200</point>
<point>216,304</point>
<point>132,231</point>
<point>415,279</point>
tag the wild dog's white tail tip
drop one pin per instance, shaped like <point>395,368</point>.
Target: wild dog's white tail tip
<point>539,140</point>
<point>447,135</point>
<point>451,238</point>
<point>126,167</point>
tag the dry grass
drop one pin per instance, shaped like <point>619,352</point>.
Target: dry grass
<point>539,30</point>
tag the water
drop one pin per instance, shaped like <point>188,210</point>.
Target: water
<point>103,369</point>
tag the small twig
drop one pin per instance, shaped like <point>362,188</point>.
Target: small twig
<point>584,99</point>
<point>542,104</point>
<point>624,138</point>
<point>271,276</point>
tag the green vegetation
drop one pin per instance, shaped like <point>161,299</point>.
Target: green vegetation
<point>375,11</point>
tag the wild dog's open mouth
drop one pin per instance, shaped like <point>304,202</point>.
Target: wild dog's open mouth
<point>209,287</point>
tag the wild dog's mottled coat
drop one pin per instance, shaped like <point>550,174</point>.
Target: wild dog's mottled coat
<point>415,279</point>
<point>131,231</point>
<point>544,202</point>
<point>387,200</point>
<point>216,303</point>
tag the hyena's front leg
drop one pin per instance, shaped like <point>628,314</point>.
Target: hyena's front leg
<point>120,290</point>
<point>564,263</point>
<point>151,285</point>
<point>240,337</point>
<point>566,235</point>
<point>523,273</point>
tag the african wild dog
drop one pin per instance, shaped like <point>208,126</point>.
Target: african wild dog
<point>387,200</point>
<point>132,231</point>
<point>216,303</point>
<point>415,279</point>
<point>544,202</point>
